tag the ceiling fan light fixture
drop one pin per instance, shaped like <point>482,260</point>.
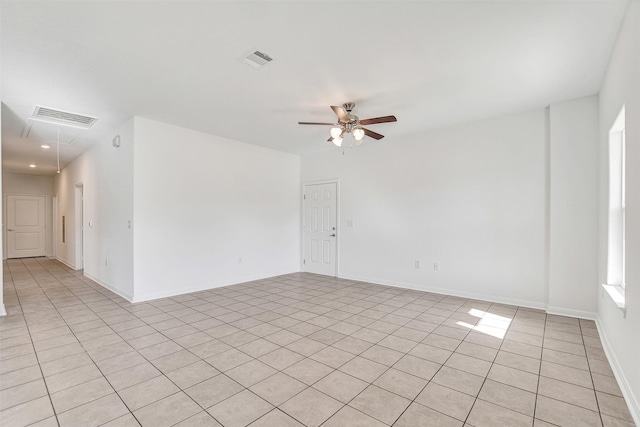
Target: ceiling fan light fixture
<point>336,132</point>
<point>350,123</point>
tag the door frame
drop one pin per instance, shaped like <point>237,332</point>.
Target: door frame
<point>5,237</point>
<point>338,229</point>
<point>54,227</point>
<point>78,226</point>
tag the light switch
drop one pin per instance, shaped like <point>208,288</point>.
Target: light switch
<point>350,223</point>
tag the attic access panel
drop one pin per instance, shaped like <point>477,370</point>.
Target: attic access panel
<point>45,132</point>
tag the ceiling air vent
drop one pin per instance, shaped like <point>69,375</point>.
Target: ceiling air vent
<point>63,118</point>
<point>257,59</point>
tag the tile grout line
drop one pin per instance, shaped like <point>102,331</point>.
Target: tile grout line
<point>111,385</point>
<point>92,361</point>
<point>535,402</point>
<point>595,393</point>
<point>389,334</point>
<point>36,355</point>
<point>336,292</point>
<point>490,367</point>
<point>163,374</point>
<point>334,369</point>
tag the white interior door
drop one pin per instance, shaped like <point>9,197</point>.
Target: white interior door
<point>25,226</point>
<point>319,228</point>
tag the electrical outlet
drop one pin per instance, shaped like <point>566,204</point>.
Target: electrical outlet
<point>240,260</point>
<point>436,266</point>
<point>417,263</point>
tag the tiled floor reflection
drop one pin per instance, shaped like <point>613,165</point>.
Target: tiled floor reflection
<point>294,350</point>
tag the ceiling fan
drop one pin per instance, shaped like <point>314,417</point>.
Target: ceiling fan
<point>350,123</point>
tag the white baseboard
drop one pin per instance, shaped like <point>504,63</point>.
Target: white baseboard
<point>67,263</point>
<point>109,287</point>
<point>443,291</point>
<point>572,313</point>
<point>625,387</point>
<point>205,286</point>
<point>3,311</point>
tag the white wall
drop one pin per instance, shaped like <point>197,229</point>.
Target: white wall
<point>470,197</point>
<point>106,174</point>
<point>573,207</point>
<point>3,311</point>
<point>202,202</point>
<point>622,87</point>
<point>18,183</point>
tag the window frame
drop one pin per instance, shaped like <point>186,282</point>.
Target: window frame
<point>616,236</point>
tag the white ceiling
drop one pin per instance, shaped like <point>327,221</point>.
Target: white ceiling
<point>432,64</point>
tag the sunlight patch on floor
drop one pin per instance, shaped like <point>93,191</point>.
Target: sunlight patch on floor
<point>489,323</point>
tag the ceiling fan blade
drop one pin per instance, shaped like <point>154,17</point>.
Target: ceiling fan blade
<point>342,115</point>
<point>385,119</point>
<point>372,134</point>
<point>315,123</point>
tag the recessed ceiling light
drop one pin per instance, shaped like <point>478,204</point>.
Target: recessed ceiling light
<point>46,147</point>
<point>32,166</point>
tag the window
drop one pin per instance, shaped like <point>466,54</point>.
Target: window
<point>616,251</point>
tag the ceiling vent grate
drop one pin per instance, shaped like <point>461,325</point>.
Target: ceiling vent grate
<point>64,118</point>
<point>258,59</point>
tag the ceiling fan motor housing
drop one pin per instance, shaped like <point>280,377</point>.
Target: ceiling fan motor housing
<point>353,119</point>
<point>348,106</point>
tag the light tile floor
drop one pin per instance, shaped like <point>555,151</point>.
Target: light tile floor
<point>292,350</point>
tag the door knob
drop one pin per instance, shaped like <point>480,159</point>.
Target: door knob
<point>10,229</point>
<point>332,235</point>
